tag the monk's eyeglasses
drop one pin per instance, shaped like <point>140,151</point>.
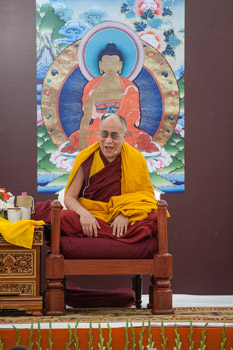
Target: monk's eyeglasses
<point>113,135</point>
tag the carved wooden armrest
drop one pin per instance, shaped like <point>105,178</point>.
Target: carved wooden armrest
<point>162,227</point>
<point>55,227</point>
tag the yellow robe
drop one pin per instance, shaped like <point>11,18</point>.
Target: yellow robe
<point>137,194</point>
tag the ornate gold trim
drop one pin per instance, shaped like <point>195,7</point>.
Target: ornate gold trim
<point>17,263</point>
<point>17,288</point>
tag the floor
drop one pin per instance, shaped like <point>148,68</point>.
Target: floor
<point>179,301</point>
<point>188,300</point>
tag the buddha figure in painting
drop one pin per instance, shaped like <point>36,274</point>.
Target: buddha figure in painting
<point>110,93</point>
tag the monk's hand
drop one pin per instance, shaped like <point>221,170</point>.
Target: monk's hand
<point>119,225</point>
<point>89,224</point>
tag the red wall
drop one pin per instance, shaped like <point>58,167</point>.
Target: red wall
<point>200,228</point>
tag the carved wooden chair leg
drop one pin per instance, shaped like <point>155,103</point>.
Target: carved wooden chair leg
<point>151,289</point>
<point>54,296</point>
<point>162,294</point>
<point>65,287</point>
<point>137,287</point>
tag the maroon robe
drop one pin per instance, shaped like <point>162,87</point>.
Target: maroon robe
<point>101,186</point>
<point>104,184</point>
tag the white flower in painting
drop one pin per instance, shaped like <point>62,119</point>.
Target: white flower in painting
<point>39,118</point>
<point>156,6</point>
<point>155,164</point>
<point>154,38</point>
<point>62,162</point>
<point>179,130</point>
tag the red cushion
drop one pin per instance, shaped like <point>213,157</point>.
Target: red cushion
<point>86,298</point>
<point>102,248</point>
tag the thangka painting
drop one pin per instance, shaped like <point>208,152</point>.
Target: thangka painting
<point>80,44</point>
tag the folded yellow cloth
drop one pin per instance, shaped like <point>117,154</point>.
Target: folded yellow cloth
<point>19,233</point>
<point>135,205</point>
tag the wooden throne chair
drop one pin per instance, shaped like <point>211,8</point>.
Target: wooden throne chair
<point>157,264</point>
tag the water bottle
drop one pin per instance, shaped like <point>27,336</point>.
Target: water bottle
<point>26,203</point>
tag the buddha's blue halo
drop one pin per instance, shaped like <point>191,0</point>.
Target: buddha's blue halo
<point>98,42</point>
<point>96,39</point>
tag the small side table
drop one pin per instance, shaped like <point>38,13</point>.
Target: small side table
<point>20,275</point>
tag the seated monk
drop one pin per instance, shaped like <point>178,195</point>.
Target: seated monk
<point>109,190</point>
<point>108,195</point>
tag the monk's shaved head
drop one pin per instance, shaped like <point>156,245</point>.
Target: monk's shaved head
<point>119,117</point>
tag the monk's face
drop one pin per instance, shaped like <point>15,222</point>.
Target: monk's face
<point>110,64</point>
<point>112,136</point>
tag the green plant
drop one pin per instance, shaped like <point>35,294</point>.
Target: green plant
<point>163,337</point>
<point>190,337</point>
<point>141,346</point>
<point>224,339</point>
<point>73,340</point>
<point>1,344</point>
<point>39,337</point>
<point>76,343</point>
<point>150,345</point>
<point>109,343</point>
<point>133,337</point>
<point>18,336</point>
<point>177,340</point>
<point>70,338</point>
<point>101,343</point>
<point>50,336</point>
<point>203,338</point>
<point>126,336</point>
<point>90,347</point>
<point>30,338</point>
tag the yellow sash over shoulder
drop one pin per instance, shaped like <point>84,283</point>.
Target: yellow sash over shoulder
<point>137,194</point>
